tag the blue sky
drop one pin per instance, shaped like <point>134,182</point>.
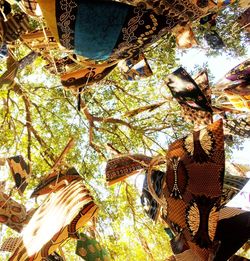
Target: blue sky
<point>218,65</point>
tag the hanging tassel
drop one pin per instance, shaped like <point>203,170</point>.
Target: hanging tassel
<point>79,99</point>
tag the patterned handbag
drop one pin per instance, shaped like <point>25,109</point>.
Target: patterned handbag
<point>234,86</point>
<point>90,250</point>
<point>135,68</point>
<point>48,184</point>
<point>194,96</point>
<point>194,182</point>
<point>12,213</point>
<point>120,168</point>
<point>20,171</point>
<point>150,205</point>
<point>65,210</point>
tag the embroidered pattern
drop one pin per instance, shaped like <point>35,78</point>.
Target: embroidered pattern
<point>66,22</point>
<point>143,27</point>
<point>175,193</point>
<point>133,24</point>
<point>177,177</point>
<point>185,9</point>
<point>85,76</point>
<point>10,244</point>
<point>193,217</point>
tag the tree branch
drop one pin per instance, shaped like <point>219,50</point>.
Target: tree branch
<point>91,119</point>
<point>30,128</point>
<point>144,108</point>
<point>112,120</point>
<point>117,86</point>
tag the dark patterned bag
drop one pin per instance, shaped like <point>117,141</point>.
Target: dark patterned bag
<point>150,205</point>
<point>232,232</point>
<point>194,96</point>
